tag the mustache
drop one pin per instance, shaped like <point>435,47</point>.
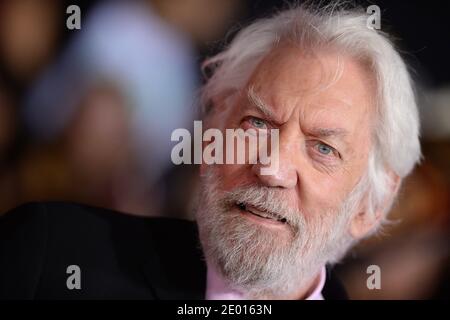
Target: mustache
<point>266,199</point>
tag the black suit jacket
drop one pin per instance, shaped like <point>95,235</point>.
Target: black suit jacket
<point>120,256</point>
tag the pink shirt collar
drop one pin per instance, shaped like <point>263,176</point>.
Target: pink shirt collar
<point>216,288</point>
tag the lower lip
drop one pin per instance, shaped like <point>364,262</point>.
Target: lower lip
<point>261,220</point>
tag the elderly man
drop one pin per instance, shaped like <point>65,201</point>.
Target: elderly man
<point>342,102</point>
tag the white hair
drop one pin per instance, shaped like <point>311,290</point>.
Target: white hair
<point>336,26</point>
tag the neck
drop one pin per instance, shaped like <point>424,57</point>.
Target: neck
<point>217,288</point>
<point>302,293</point>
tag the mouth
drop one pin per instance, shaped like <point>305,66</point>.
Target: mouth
<point>260,214</point>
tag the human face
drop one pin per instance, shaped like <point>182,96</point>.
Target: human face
<point>324,126</point>
<point>322,105</point>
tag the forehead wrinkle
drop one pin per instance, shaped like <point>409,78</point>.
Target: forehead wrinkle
<point>312,125</point>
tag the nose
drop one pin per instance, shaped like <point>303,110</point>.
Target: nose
<point>285,174</point>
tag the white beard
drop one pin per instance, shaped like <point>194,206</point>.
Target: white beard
<point>261,262</point>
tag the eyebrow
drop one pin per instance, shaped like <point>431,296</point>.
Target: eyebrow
<point>257,102</point>
<point>328,132</point>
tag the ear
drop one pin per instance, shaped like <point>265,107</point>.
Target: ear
<point>209,121</point>
<point>363,223</point>
<point>219,111</point>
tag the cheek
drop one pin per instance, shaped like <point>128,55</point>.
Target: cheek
<point>324,193</point>
<point>232,176</point>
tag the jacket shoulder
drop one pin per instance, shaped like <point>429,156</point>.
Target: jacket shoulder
<point>23,239</point>
<point>38,241</point>
<point>36,215</point>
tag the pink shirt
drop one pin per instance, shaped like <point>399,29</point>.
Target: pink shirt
<point>216,288</point>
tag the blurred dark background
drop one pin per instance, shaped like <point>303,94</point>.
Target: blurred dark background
<point>95,108</point>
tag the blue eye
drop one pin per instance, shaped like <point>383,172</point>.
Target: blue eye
<point>258,123</point>
<point>324,149</point>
